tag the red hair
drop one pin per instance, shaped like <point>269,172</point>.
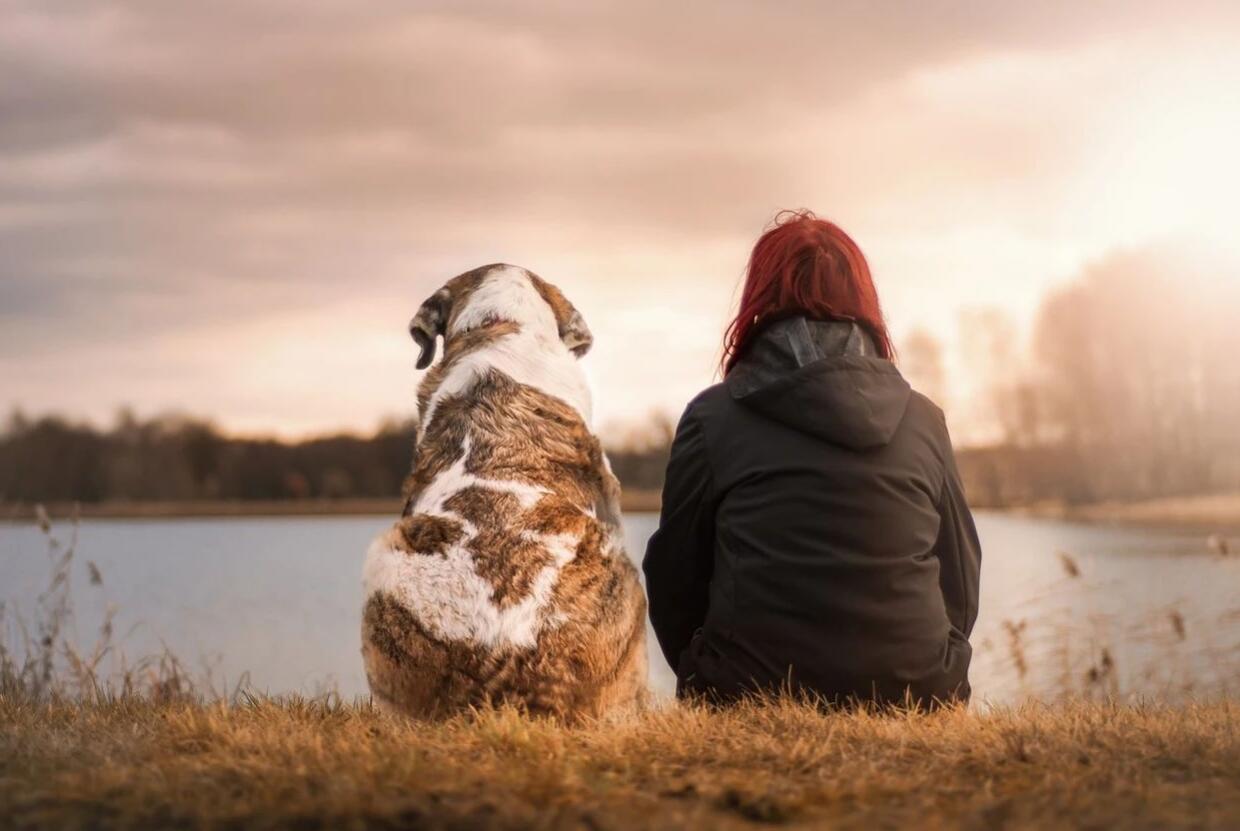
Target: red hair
<point>805,266</point>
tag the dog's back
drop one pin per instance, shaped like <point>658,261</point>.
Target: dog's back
<point>506,579</point>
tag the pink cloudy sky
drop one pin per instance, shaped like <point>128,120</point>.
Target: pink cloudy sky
<point>232,208</point>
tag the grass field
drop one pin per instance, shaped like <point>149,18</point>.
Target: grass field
<point>134,763</point>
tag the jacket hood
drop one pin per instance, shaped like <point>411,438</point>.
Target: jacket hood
<point>822,377</point>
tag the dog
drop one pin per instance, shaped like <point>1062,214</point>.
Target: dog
<point>505,581</point>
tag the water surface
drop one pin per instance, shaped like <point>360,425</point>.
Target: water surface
<point>280,598</point>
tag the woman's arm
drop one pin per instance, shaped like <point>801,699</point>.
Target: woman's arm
<point>959,552</point>
<point>680,556</point>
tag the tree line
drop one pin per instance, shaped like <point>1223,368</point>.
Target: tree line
<point>180,458</point>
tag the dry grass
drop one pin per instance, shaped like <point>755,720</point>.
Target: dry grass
<point>42,659</point>
<point>130,763</point>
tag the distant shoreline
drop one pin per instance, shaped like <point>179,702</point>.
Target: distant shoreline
<point>1216,512</point>
<point>636,501</point>
<point>1208,513</point>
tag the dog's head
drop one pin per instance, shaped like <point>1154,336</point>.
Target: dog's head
<point>494,294</point>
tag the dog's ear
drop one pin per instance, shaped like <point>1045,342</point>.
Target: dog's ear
<point>572,326</point>
<point>429,323</point>
<point>575,333</point>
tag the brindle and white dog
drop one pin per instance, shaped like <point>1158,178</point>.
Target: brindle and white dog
<point>506,580</point>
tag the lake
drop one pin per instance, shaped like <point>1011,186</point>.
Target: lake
<point>1065,607</point>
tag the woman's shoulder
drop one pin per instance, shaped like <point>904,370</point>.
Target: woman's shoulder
<point>710,402</point>
<point>922,407</point>
<point>704,415</point>
<point>925,418</point>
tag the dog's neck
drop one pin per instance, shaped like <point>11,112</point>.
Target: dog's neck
<point>529,355</point>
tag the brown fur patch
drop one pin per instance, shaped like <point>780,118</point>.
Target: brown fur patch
<point>520,434</point>
<point>503,556</point>
<point>584,669</point>
<point>460,288</point>
<point>425,534</point>
<point>555,299</point>
<point>465,343</point>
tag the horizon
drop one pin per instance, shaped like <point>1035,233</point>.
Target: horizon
<point>241,230</point>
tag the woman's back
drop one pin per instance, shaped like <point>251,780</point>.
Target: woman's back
<point>814,529</point>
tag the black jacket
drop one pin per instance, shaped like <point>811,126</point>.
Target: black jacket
<point>814,531</point>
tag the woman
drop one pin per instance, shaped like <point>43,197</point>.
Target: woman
<point>814,534</point>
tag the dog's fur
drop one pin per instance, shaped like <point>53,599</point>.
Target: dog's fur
<point>506,580</point>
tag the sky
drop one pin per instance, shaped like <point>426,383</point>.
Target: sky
<point>233,208</point>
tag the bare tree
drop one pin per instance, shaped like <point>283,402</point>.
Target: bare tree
<point>921,362</point>
<point>1135,371</point>
<point>999,368</point>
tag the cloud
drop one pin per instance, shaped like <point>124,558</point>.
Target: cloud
<point>173,175</point>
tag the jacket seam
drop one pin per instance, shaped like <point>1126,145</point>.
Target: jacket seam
<point>710,468</point>
<point>708,496</point>
<point>964,589</point>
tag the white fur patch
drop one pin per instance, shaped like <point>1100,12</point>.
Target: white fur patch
<point>533,356</point>
<point>506,293</point>
<point>445,593</point>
